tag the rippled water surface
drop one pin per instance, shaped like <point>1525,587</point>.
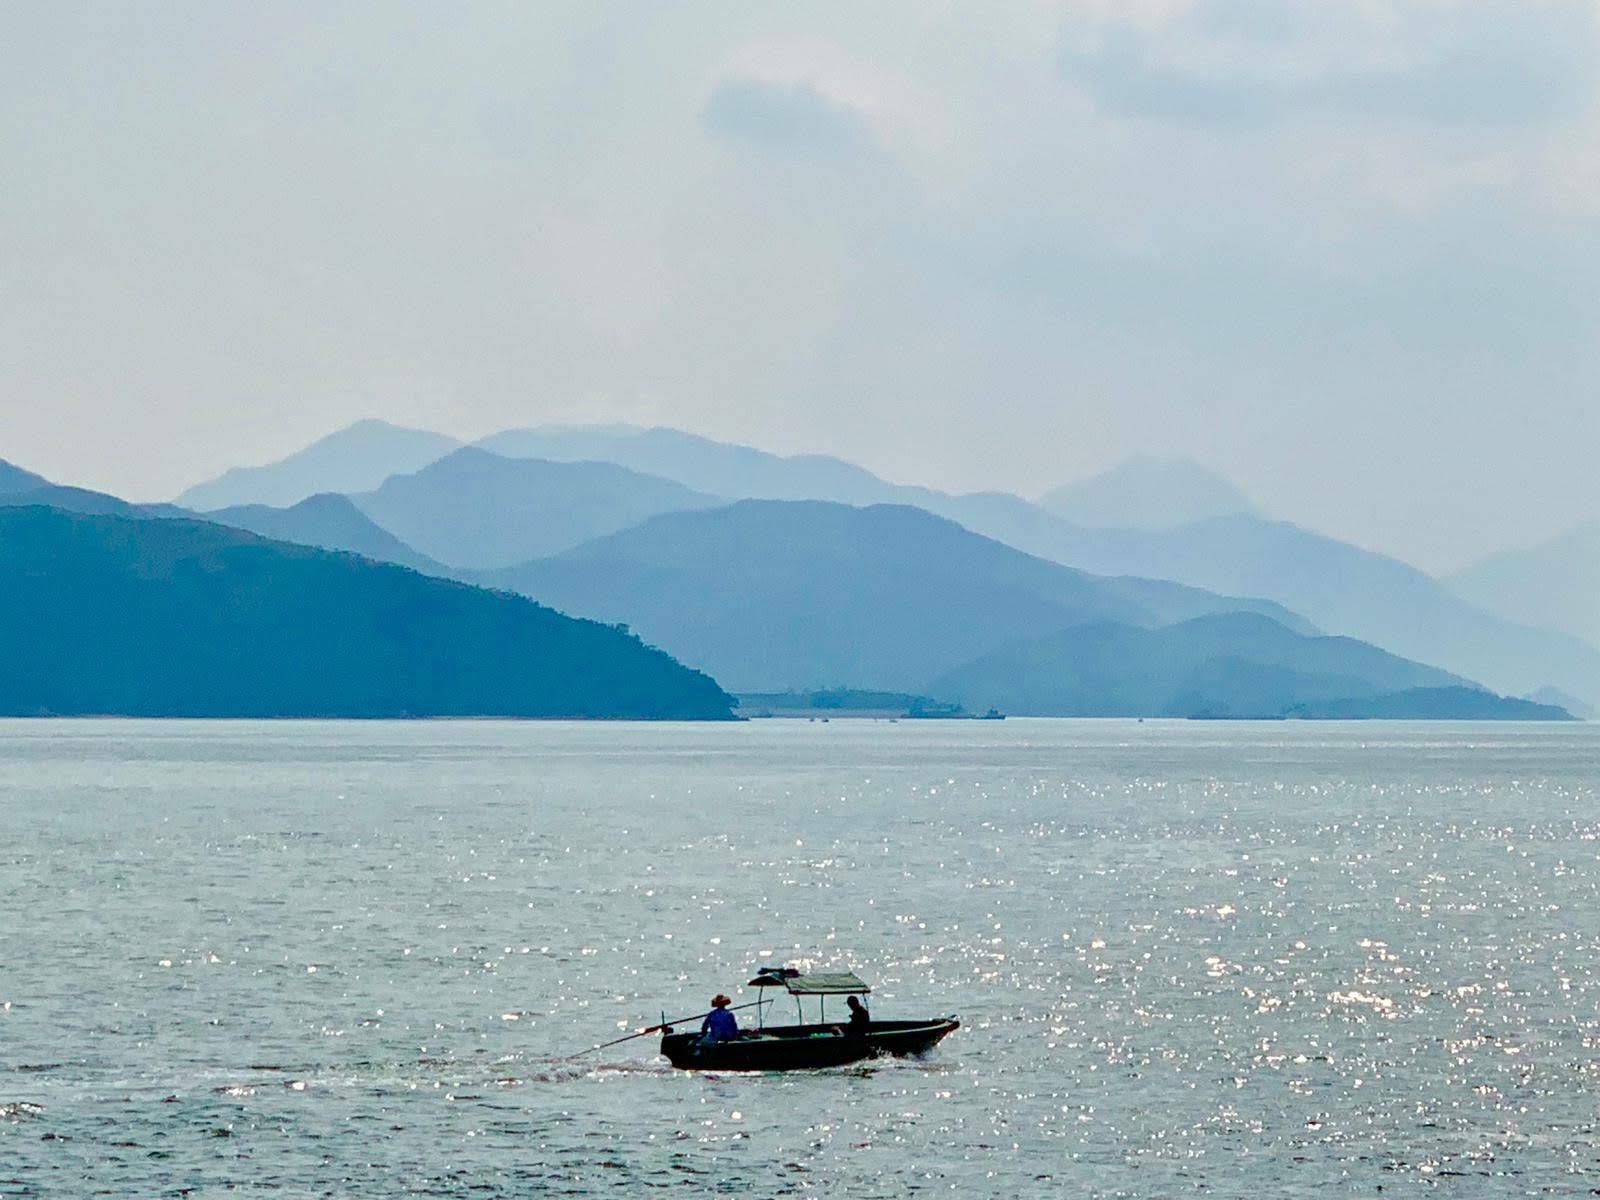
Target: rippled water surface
<point>350,959</point>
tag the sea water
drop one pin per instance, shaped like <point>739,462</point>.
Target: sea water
<point>354,959</point>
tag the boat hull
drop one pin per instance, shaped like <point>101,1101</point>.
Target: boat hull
<point>805,1047</point>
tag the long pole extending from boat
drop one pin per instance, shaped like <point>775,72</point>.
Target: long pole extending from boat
<point>659,1028</point>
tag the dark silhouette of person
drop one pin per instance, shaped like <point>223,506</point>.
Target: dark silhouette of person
<point>860,1019</point>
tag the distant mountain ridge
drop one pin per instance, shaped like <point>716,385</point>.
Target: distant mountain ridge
<point>73,499</point>
<point>1148,493</point>
<point>1555,583</point>
<point>14,479</point>
<point>1339,588</point>
<point>1551,697</point>
<point>1236,665</point>
<point>328,522</point>
<point>775,596</point>
<point>355,459</point>
<point>476,510</point>
<point>853,588</point>
<point>720,468</point>
<point>139,617</point>
<point>20,489</point>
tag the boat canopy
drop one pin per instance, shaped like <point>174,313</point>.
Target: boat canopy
<point>827,983</point>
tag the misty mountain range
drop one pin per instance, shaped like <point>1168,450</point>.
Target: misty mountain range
<point>1213,539</point>
<point>1555,584</point>
<point>1228,665</point>
<point>773,595</point>
<point>785,574</point>
<point>474,510</point>
<point>329,521</point>
<point>355,459</point>
<point>1147,493</point>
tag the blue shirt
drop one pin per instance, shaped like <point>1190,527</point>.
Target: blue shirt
<point>719,1026</point>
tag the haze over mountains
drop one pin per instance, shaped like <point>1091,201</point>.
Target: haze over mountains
<point>737,472</point>
<point>327,521</point>
<point>472,509</point>
<point>330,522</point>
<point>725,558</point>
<point>14,480</point>
<point>354,459</point>
<point>1236,665</point>
<point>20,488</point>
<point>1340,588</point>
<point>788,595</point>
<point>1147,493</point>
<point>1555,584</point>
<point>895,597</point>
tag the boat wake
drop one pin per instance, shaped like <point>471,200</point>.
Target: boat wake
<point>567,1071</point>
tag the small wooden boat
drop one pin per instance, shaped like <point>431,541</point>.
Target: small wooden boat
<point>803,1046</point>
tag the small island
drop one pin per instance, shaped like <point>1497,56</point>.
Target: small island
<point>849,702</point>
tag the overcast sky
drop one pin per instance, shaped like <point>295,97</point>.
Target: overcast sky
<point>1345,252</point>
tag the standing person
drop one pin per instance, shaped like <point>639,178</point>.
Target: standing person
<point>720,1024</point>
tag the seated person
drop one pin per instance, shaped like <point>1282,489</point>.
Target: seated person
<point>719,1025</point>
<point>860,1019</point>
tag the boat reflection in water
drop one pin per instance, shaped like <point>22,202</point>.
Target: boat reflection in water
<point>804,1047</point>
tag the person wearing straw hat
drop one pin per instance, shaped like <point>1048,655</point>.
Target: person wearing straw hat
<point>720,1025</point>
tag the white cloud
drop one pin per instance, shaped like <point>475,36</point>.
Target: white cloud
<point>1479,62</point>
<point>774,81</point>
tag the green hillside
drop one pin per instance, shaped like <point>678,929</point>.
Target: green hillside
<point>110,615</point>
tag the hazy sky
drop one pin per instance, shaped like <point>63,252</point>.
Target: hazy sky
<point>1346,252</point>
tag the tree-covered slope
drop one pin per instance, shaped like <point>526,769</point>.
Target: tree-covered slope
<point>104,614</point>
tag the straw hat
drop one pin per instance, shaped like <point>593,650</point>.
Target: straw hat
<point>720,1001</point>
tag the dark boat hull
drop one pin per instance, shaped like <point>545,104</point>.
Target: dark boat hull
<point>805,1047</point>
